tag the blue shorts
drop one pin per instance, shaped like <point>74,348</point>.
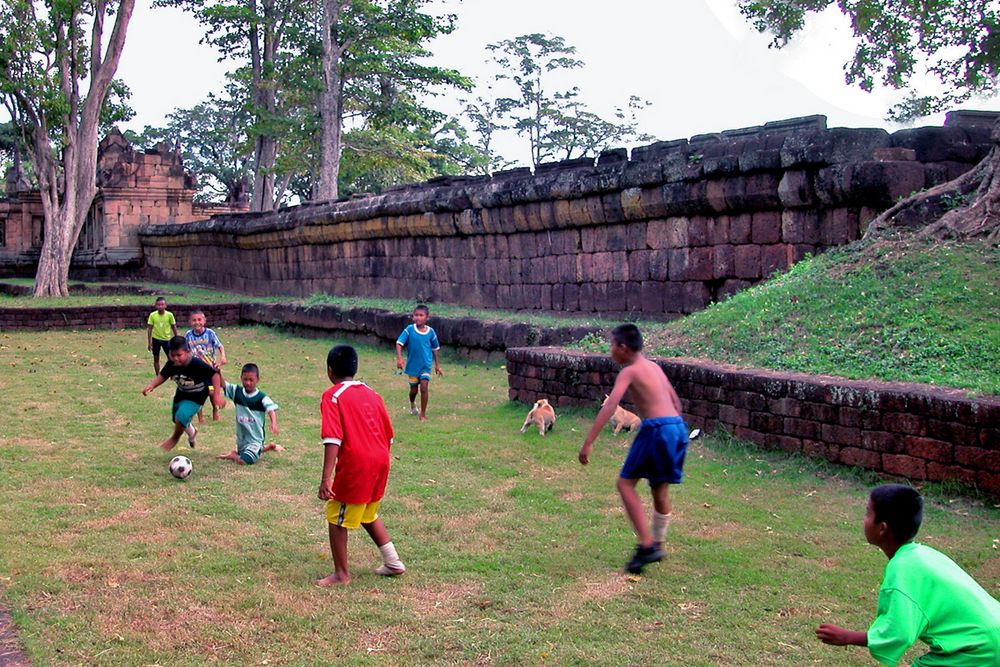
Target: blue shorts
<point>184,411</point>
<point>657,453</point>
<point>416,378</point>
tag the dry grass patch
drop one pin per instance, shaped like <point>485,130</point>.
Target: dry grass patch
<point>443,601</point>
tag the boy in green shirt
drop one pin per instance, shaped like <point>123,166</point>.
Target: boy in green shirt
<point>160,328</point>
<point>251,406</point>
<point>924,595</point>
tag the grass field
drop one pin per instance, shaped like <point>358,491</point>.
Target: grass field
<point>514,550</point>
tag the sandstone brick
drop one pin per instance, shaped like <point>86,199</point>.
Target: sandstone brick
<point>821,450</point>
<point>905,466</point>
<point>899,422</point>
<point>739,228</point>
<point>700,264</point>
<point>937,472</point>
<point>747,261</point>
<point>765,227</point>
<point>862,458</point>
<point>802,428</point>
<point>749,400</point>
<point>930,449</point>
<point>774,258</point>
<point>975,457</point>
<point>697,232</point>
<point>723,261</point>
<point>988,482</point>
<point>717,232</point>
<point>842,435</point>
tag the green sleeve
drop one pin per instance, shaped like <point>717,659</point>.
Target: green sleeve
<point>897,625</point>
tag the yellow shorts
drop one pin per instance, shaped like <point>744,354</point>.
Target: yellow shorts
<point>350,516</point>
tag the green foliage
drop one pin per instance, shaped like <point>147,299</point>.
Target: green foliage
<point>901,311</point>
<point>956,41</point>
<point>558,125</point>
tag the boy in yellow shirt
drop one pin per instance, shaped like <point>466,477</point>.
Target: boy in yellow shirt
<point>160,328</point>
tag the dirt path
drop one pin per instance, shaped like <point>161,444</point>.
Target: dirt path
<point>11,654</point>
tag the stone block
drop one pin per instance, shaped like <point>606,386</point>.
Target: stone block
<point>696,296</point>
<point>862,458</point>
<point>936,144</point>
<point>678,263</point>
<point>837,145</point>
<point>976,457</point>
<point>652,297</point>
<point>904,423</point>
<point>697,232</point>
<point>659,264</point>
<point>723,261</point>
<point>734,416</point>
<point>717,230</point>
<point>801,227</point>
<point>700,264</point>
<point>937,472</point>
<point>838,226</point>
<point>795,189</point>
<point>747,261</point>
<point>740,228</point>
<point>765,227</point>
<point>841,435</point>
<point>715,196</point>
<point>638,265</point>
<point>904,466</point>
<point>775,258</point>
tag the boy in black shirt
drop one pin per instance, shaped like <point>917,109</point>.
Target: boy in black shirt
<point>196,381</point>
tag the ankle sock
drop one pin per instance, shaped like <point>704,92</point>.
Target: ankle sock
<point>390,560</point>
<point>660,524</point>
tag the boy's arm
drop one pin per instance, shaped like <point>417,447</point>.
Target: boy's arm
<point>621,385</point>
<point>218,391</point>
<point>437,362</point>
<point>399,355</point>
<point>157,381</point>
<point>173,327</point>
<point>222,355</point>
<point>149,338</point>
<point>837,636</point>
<point>330,453</point>
<point>273,416</point>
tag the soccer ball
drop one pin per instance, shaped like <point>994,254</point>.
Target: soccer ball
<point>180,467</point>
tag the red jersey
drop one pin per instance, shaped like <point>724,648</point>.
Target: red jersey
<point>354,417</point>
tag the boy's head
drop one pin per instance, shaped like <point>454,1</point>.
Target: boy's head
<point>249,377</point>
<point>421,314</point>
<point>179,353</point>
<point>894,514</point>
<point>161,304</point>
<point>341,362</point>
<point>626,342</point>
<point>198,321</point>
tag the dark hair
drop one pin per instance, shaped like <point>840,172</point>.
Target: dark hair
<point>159,299</point>
<point>900,507</point>
<point>343,361</point>
<point>250,368</point>
<point>178,343</point>
<point>420,306</point>
<point>629,336</point>
<point>196,311</point>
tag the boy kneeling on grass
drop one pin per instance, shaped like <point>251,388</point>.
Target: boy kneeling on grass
<point>924,595</point>
<point>251,406</point>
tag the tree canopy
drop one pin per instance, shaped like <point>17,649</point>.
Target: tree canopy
<point>956,41</point>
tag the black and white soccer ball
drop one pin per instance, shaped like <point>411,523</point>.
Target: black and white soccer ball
<point>180,467</point>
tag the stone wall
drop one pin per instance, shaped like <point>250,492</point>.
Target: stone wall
<point>109,317</point>
<point>910,430</point>
<point>679,225</point>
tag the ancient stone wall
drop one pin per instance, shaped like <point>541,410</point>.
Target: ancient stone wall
<point>679,225</point>
<point>910,430</point>
<point>108,317</point>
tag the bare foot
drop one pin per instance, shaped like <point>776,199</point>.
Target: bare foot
<point>334,579</point>
<point>201,418</point>
<point>414,411</point>
<point>230,456</point>
<point>277,448</point>
<point>423,418</point>
<point>215,415</point>
<point>168,444</point>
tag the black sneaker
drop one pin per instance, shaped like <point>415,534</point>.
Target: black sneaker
<point>643,556</point>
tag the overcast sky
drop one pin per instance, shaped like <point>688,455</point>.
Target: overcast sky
<point>698,61</point>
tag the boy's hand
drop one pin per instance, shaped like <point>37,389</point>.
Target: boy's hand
<point>585,453</point>
<point>149,347</point>
<point>326,489</point>
<point>837,636</point>
<point>437,369</point>
<point>146,390</point>
<point>274,429</point>
<point>399,364</point>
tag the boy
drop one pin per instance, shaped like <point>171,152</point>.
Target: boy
<point>657,453</point>
<point>357,435</point>
<point>196,381</point>
<point>421,343</point>
<point>160,328</point>
<point>205,345</point>
<point>924,594</point>
<point>251,406</point>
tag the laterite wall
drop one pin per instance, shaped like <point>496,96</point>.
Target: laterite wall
<point>109,317</point>
<point>909,430</point>
<point>671,229</point>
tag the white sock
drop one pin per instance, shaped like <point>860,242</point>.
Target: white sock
<point>190,430</point>
<point>391,565</point>
<point>660,524</point>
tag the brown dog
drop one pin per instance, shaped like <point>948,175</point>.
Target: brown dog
<point>623,419</point>
<point>541,415</point>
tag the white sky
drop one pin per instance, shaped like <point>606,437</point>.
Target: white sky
<point>698,61</point>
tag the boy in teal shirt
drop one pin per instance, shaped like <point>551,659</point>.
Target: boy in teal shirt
<point>924,595</point>
<point>251,406</point>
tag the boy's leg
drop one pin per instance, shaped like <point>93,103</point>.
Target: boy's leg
<point>232,456</point>
<point>215,410</point>
<point>391,564</point>
<point>201,415</point>
<point>661,512</point>
<point>171,442</point>
<point>633,509</point>
<point>424,391</point>
<point>413,397</point>
<point>338,548</point>
<point>273,448</point>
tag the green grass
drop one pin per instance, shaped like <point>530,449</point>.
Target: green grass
<point>891,311</point>
<point>513,548</point>
<point>174,293</point>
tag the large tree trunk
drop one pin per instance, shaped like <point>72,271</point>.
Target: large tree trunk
<point>329,104</point>
<point>966,207</point>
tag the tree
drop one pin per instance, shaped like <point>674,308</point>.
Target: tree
<point>558,125</point>
<point>487,114</point>
<point>958,42</point>
<point>373,73</point>
<point>214,144</point>
<point>45,60</point>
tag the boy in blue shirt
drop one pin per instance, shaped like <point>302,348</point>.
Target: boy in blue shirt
<point>251,406</point>
<point>924,595</point>
<point>422,347</point>
<point>205,345</point>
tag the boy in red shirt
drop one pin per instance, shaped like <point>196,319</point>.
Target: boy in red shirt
<point>357,435</point>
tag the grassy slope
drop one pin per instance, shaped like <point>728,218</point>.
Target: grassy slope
<point>513,548</point>
<point>898,311</point>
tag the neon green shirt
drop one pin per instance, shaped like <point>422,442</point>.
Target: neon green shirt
<point>161,324</point>
<point>926,596</point>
